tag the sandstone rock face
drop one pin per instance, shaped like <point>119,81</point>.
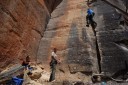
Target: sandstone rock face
<point>75,43</point>
<point>22,25</point>
<point>35,27</point>
<point>121,6</point>
<point>112,39</point>
<point>51,4</point>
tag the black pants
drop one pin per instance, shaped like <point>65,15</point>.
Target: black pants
<point>53,69</point>
<point>89,19</point>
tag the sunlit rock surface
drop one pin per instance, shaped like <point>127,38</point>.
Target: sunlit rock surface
<point>22,25</point>
<point>75,42</point>
<point>35,27</point>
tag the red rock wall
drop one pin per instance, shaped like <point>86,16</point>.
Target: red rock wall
<point>22,23</point>
<point>75,43</point>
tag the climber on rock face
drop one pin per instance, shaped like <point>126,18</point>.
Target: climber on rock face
<point>89,18</point>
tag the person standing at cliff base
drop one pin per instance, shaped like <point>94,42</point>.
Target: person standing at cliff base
<point>54,61</point>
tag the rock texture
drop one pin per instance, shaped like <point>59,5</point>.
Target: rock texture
<point>121,6</point>
<point>112,39</point>
<point>75,42</point>
<point>35,27</point>
<point>22,25</point>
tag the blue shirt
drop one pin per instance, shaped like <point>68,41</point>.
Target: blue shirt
<point>90,12</point>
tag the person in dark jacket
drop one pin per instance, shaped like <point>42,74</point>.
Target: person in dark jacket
<point>89,18</point>
<point>26,62</point>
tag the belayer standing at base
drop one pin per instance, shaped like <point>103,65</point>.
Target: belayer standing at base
<point>54,61</point>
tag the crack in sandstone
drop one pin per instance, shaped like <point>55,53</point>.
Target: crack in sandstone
<point>38,32</point>
<point>9,14</point>
<point>14,32</point>
<point>98,55</point>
